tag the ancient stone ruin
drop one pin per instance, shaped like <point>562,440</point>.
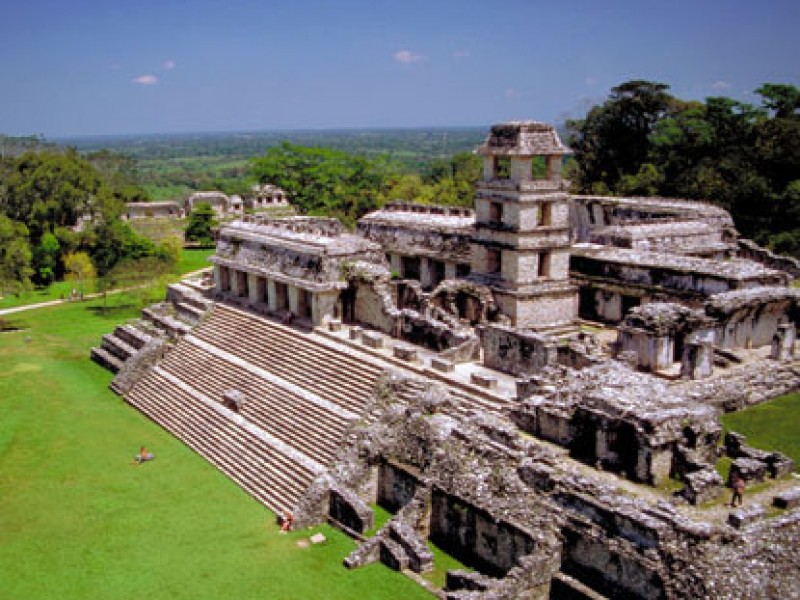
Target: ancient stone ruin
<point>535,385</point>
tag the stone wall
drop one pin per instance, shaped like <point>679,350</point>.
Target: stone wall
<point>476,537</point>
<point>516,352</point>
<point>752,251</point>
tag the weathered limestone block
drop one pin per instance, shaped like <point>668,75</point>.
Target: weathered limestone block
<point>485,381</point>
<point>335,325</point>
<point>420,558</point>
<point>748,469</point>
<point>779,465</point>
<point>697,361</point>
<point>393,555</point>
<point>349,510</point>
<point>440,364</point>
<point>702,486</point>
<point>745,516</point>
<point>372,340</point>
<point>783,342</point>
<point>406,353</point>
<point>355,333</point>
<point>787,499</point>
<point>367,553</point>
<point>467,580</point>
<point>234,399</point>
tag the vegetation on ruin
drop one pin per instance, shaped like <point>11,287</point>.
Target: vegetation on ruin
<point>745,158</point>
<point>773,425</point>
<point>80,521</point>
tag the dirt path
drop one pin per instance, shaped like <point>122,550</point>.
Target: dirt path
<point>24,307</point>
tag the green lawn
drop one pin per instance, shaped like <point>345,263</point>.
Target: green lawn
<point>774,425</point>
<point>191,260</point>
<point>78,520</point>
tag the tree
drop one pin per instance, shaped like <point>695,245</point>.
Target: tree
<point>614,138</point>
<point>784,99</point>
<point>320,181</point>
<point>15,257</point>
<point>79,268</point>
<point>201,221</point>
<point>45,259</point>
<point>170,251</point>
<point>50,189</point>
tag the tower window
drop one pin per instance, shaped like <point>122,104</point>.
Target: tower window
<point>495,212</point>
<point>493,261</point>
<point>544,265</point>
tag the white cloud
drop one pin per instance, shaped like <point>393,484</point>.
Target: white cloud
<point>720,85</point>
<point>145,80</point>
<point>406,57</point>
<point>169,65</point>
<point>461,54</point>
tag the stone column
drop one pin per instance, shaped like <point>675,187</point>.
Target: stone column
<point>449,270</point>
<point>217,278</point>
<point>697,361</point>
<point>783,342</point>
<point>234,279</point>
<point>294,300</point>
<point>489,167</point>
<point>323,306</point>
<point>272,295</point>
<point>252,288</point>
<point>521,168</point>
<point>425,272</point>
<point>554,167</point>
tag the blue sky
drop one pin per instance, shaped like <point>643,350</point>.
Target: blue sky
<point>80,67</point>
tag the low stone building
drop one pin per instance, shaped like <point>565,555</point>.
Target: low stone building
<point>153,210</point>
<point>221,203</point>
<point>294,267</point>
<point>422,242</point>
<point>614,280</point>
<point>265,195</point>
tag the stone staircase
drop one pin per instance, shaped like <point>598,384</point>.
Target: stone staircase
<point>297,394</point>
<point>252,460</point>
<point>299,398</point>
<point>119,346</point>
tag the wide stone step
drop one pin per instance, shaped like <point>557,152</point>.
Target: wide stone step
<point>299,340</point>
<point>132,336</point>
<point>344,386</point>
<point>288,343</point>
<point>235,375</point>
<point>273,478</point>
<point>118,347</point>
<point>106,360</point>
<point>307,426</point>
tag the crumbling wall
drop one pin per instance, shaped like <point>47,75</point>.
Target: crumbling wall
<point>516,351</point>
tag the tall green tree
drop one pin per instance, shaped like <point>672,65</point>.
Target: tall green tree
<point>614,138</point>
<point>201,221</point>
<point>15,257</point>
<point>46,259</point>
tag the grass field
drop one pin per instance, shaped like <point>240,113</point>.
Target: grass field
<point>78,520</point>
<point>191,260</point>
<point>774,425</point>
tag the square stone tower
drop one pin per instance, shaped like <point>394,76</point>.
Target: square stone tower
<point>520,248</point>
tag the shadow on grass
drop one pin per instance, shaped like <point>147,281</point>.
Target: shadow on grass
<point>112,310</point>
<point>8,325</point>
